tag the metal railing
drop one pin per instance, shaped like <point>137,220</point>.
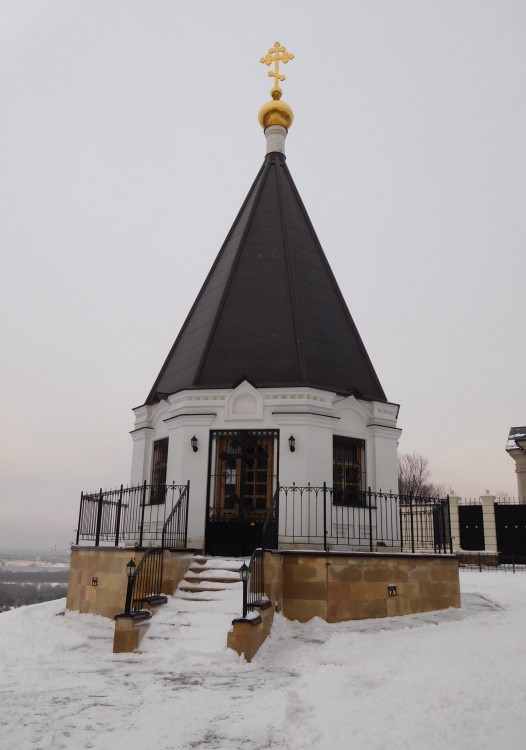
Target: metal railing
<point>145,515</point>
<point>492,561</point>
<point>269,533</point>
<point>146,582</point>
<point>366,520</point>
<point>256,583</point>
<point>175,529</point>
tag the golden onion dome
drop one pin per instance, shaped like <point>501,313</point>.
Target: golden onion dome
<point>276,112</point>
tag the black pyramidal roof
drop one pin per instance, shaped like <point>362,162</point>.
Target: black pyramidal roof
<point>270,309</point>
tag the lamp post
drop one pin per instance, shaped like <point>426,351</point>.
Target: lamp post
<point>130,570</point>
<point>244,573</point>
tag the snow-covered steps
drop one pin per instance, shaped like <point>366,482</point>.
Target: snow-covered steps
<point>207,577</point>
<point>199,615</point>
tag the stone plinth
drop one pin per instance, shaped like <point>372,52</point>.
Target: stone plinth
<point>247,635</point>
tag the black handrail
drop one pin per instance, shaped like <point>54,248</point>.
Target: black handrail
<point>269,532</point>
<point>175,529</point>
<point>256,580</point>
<point>146,582</point>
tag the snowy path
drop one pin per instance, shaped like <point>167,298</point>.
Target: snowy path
<point>454,679</point>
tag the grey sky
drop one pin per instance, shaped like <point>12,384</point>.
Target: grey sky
<point>129,139</point>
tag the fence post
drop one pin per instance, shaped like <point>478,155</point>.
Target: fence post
<point>370,522</point>
<point>488,521</point>
<point>412,524</point>
<point>449,528</point>
<point>118,519</point>
<point>401,514</point>
<point>143,503</point>
<point>454,523</point>
<point>99,519</point>
<point>324,516</point>
<point>186,513</point>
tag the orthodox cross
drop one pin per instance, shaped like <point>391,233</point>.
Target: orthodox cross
<point>277,54</point>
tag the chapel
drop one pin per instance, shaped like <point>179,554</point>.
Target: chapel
<point>268,384</point>
<point>267,439</point>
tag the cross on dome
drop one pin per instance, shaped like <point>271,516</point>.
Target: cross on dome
<point>276,55</point>
<point>276,112</point>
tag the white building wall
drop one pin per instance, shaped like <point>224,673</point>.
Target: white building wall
<point>310,415</point>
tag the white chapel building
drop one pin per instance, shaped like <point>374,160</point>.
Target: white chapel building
<point>268,383</point>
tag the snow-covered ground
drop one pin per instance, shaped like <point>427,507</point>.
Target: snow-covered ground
<point>453,679</point>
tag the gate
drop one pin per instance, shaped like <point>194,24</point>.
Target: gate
<point>471,527</point>
<point>510,522</point>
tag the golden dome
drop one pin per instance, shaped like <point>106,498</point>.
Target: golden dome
<point>276,112</point>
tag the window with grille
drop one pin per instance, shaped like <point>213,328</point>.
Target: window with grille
<point>348,471</point>
<point>159,465</point>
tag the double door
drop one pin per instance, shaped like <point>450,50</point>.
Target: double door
<point>242,482</point>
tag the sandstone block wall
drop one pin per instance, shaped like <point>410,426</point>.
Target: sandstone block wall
<point>108,566</point>
<point>355,586</point>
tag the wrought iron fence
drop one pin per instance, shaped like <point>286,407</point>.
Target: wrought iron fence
<point>145,515</point>
<point>495,562</point>
<point>366,521</point>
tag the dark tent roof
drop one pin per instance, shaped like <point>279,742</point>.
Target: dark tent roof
<point>270,309</point>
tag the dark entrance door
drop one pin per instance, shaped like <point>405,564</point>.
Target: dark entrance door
<point>510,522</point>
<point>241,487</point>
<point>471,527</point>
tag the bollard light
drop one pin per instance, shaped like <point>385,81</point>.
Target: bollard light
<point>130,570</point>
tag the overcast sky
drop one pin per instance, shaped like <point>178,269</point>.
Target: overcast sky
<point>129,139</point>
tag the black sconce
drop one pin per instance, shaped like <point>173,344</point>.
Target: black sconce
<point>130,570</point>
<point>292,443</point>
<point>193,443</point>
<point>244,573</point>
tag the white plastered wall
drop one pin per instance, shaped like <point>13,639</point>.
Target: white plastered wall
<point>310,415</point>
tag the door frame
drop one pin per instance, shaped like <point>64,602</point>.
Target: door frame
<point>214,437</point>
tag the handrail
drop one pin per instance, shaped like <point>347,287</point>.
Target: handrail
<point>256,580</point>
<point>146,582</point>
<point>269,532</point>
<point>175,529</point>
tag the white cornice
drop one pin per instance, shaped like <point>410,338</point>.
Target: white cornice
<point>189,420</point>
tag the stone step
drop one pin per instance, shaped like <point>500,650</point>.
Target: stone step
<point>210,579</point>
<point>190,588</point>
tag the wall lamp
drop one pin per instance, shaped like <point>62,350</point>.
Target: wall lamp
<point>193,443</point>
<point>292,443</point>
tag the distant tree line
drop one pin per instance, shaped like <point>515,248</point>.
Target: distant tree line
<point>44,576</point>
<point>21,594</point>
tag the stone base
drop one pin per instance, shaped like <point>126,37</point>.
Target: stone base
<point>97,577</point>
<point>353,586</point>
<point>129,630</point>
<point>247,635</point>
